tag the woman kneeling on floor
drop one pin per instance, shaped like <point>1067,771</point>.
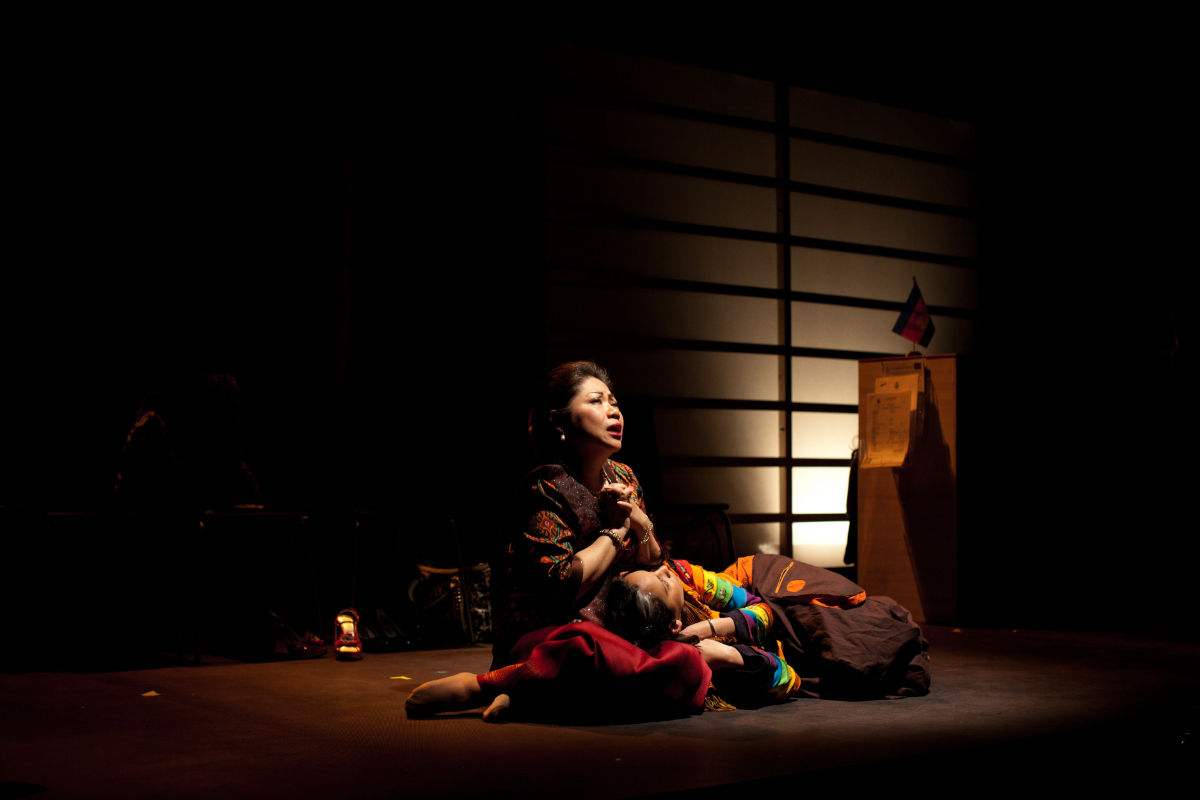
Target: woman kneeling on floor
<point>575,522</point>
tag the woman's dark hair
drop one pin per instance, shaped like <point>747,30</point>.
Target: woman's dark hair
<point>640,618</point>
<point>554,393</point>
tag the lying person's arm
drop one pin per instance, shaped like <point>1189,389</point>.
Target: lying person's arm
<point>719,655</point>
<point>743,615</point>
<point>744,670</point>
<point>720,628</point>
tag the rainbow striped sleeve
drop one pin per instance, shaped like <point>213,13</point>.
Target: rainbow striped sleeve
<point>752,619</point>
<point>719,592</point>
<point>762,672</point>
<point>753,624</point>
<point>785,681</point>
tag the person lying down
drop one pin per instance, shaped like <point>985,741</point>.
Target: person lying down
<point>645,608</point>
<point>740,622</point>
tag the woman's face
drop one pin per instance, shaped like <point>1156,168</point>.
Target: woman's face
<point>596,422</point>
<point>663,584</point>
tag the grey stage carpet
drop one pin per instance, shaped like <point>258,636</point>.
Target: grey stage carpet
<point>1067,709</point>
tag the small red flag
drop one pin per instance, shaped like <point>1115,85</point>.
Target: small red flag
<point>915,324</point>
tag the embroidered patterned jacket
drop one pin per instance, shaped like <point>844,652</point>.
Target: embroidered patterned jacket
<point>554,516</point>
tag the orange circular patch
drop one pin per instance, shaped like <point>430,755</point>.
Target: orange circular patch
<point>795,586</point>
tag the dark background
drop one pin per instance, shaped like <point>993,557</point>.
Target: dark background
<point>350,223</point>
<point>189,204</point>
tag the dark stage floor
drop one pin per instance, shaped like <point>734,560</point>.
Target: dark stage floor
<point>1092,709</point>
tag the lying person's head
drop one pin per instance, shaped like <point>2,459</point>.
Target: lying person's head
<point>646,608</point>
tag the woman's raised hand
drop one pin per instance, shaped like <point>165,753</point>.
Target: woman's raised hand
<point>639,522</point>
<point>625,511</point>
<point>618,502</point>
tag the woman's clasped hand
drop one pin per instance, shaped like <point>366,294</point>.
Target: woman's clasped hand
<point>624,513</point>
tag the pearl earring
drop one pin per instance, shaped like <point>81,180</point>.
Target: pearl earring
<point>562,437</point>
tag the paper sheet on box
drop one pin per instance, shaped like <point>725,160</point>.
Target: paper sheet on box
<point>910,382</point>
<point>887,429</point>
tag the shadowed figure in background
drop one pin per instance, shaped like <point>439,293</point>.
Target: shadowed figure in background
<point>184,449</point>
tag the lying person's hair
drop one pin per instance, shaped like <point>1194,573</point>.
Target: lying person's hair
<point>640,618</point>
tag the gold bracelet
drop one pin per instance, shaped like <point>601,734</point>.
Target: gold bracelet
<point>712,628</point>
<point>649,533</point>
<point>610,533</point>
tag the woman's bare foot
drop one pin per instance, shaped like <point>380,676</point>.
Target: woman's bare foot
<point>455,693</point>
<point>497,708</point>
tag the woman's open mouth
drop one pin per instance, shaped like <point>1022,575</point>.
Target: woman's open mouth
<point>615,431</point>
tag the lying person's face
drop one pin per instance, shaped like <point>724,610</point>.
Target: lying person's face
<point>663,584</point>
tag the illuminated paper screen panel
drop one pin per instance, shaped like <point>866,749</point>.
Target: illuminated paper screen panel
<point>822,544</point>
<point>862,119</point>
<point>824,380</point>
<point>865,223</point>
<point>665,313</point>
<point>662,254</point>
<point>823,435</point>
<point>747,490</point>
<point>859,170</point>
<point>819,490</point>
<point>657,195</point>
<point>580,123</point>
<point>874,277</point>
<point>684,373</point>
<point>834,327</point>
<point>732,433</point>
<point>642,134</point>
<point>637,77</point>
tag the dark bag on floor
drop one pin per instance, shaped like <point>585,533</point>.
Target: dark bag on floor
<point>448,611</point>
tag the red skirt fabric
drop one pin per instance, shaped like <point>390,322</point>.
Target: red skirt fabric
<point>582,672</point>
